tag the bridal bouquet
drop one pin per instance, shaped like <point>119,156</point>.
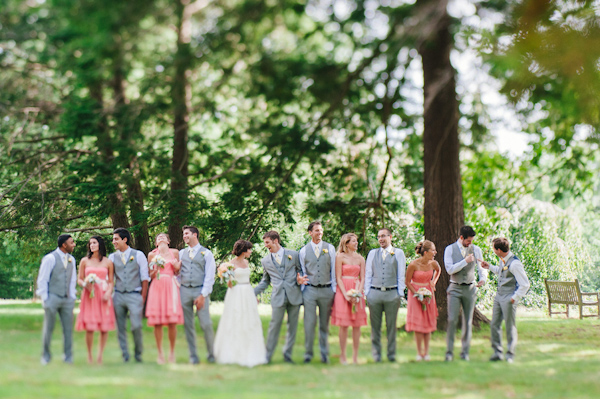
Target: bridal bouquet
<point>226,274</point>
<point>89,282</point>
<point>423,295</point>
<point>355,295</point>
<point>157,263</point>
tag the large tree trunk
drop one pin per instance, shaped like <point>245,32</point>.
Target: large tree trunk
<point>118,214</point>
<point>181,94</point>
<point>443,208</point>
<point>139,230</point>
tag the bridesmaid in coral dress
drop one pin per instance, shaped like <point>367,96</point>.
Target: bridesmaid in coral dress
<point>96,312</point>
<point>421,316</point>
<point>349,311</point>
<point>164,305</point>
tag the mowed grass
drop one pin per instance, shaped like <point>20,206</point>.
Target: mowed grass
<point>556,358</point>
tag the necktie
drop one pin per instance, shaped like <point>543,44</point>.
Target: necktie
<point>191,253</point>
<point>65,261</point>
<point>383,254</point>
<point>317,252</point>
<point>123,257</point>
<point>463,252</point>
<point>277,259</point>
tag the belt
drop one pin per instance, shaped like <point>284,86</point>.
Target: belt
<point>383,289</point>
<point>452,282</point>
<point>320,285</point>
<point>191,286</point>
<point>129,292</point>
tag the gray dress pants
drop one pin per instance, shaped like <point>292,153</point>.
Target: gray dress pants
<point>188,295</point>
<point>380,303</point>
<point>63,306</point>
<point>129,304</point>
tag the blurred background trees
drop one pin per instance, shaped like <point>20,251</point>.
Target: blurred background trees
<point>242,116</point>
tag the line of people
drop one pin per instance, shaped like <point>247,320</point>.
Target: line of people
<point>331,284</point>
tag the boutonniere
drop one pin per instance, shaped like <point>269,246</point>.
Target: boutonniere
<point>130,258</point>
<point>71,259</point>
<point>202,253</point>
<point>290,257</point>
<point>505,268</point>
<point>325,251</point>
<point>392,253</point>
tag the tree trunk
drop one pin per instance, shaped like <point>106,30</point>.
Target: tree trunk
<point>118,214</point>
<point>181,94</point>
<point>443,208</point>
<point>139,230</point>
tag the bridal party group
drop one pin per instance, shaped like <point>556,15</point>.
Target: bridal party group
<point>335,286</point>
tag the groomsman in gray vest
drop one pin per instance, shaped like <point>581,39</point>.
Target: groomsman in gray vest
<point>317,259</point>
<point>460,259</point>
<point>384,286</point>
<point>56,287</point>
<point>197,276</point>
<point>281,269</point>
<point>513,284</point>
<point>131,288</point>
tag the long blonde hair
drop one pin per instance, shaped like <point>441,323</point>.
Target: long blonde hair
<point>343,247</point>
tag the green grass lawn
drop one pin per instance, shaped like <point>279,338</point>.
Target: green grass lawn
<point>556,358</point>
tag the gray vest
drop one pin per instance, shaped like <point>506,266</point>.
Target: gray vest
<point>127,276</point>
<point>60,277</point>
<point>467,274</point>
<point>507,283</point>
<point>192,270</point>
<point>385,273</point>
<point>318,270</point>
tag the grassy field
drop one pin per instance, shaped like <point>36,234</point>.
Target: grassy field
<point>557,358</point>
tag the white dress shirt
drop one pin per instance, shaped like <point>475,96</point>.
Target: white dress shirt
<point>141,260</point>
<point>518,270</point>
<point>319,247</point>
<point>400,258</point>
<point>46,268</point>
<point>453,268</point>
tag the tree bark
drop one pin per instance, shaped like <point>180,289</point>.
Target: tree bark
<point>181,94</point>
<point>443,207</point>
<point>118,213</point>
<point>141,237</point>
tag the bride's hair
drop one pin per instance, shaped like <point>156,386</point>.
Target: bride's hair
<point>343,247</point>
<point>162,234</point>
<point>241,246</point>
<point>423,247</point>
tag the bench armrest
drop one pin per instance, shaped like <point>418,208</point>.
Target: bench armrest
<point>590,293</point>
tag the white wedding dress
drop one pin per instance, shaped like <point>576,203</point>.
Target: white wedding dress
<point>239,338</point>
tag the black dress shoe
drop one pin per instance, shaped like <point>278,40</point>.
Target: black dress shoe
<point>288,360</point>
<point>324,360</point>
<point>126,358</point>
<point>138,358</point>
<point>307,360</point>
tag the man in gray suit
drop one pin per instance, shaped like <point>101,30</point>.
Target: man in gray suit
<point>513,284</point>
<point>56,287</point>
<point>281,269</point>
<point>197,276</point>
<point>131,288</point>
<point>384,287</point>
<point>317,259</point>
<point>460,259</point>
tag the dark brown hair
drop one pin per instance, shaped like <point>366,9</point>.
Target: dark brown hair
<point>467,231</point>
<point>312,225</point>
<point>241,246</point>
<point>273,235</point>
<point>502,244</point>
<point>101,247</point>
<point>193,229</point>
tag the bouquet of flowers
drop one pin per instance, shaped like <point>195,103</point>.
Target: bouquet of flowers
<point>89,282</point>
<point>157,263</point>
<point>423,295</point>
<point>355,295</point>
<point>226,274</point>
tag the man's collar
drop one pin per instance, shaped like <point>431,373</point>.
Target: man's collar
<point>507,257</point>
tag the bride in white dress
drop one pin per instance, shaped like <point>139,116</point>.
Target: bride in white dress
<point>239,338</point>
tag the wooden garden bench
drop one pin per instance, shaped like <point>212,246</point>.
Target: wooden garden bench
<point>568,293</point>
